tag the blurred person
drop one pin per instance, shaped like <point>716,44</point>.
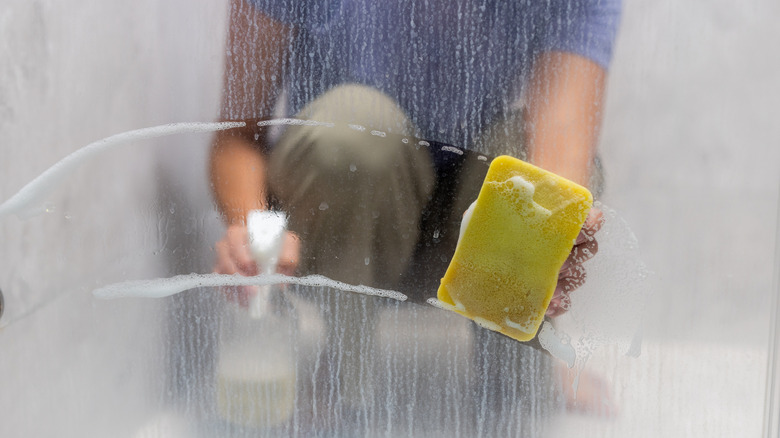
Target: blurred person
<point>523,78</point>
<point>441,70</point>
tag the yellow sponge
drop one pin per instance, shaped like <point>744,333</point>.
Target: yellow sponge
<point>521,230</point>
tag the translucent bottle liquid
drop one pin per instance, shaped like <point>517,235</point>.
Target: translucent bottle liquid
<point>256,370</point>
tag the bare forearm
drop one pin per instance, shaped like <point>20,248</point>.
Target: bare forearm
<point>256,47</point>
<point>238,177</point>
<point>565,100</point>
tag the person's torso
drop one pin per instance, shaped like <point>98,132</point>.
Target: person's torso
<point>452,65</point>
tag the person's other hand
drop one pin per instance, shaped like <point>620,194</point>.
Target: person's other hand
<point>587,392</point>
<point>234,257</point>
<point>290,254</point>
<point>572,274</point>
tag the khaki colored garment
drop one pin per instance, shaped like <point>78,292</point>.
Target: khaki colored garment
<point>355,194</point>
<point>354,197</point>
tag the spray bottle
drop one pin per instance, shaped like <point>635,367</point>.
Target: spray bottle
<point>256,371</point>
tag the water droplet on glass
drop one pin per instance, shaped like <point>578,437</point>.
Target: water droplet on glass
<point>323,206</point>
<point>352,168</point>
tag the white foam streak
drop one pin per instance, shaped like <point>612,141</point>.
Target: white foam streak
<point>452,149</point>
<point>294,122</point>
<point>164,287</point>
<point>30,199</point>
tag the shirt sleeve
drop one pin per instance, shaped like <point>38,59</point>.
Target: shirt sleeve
<point>584,27</point>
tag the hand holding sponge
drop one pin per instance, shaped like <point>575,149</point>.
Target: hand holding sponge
<point>520,231</point>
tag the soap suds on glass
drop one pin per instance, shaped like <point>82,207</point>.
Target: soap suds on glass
<point>31,199</point>
<point>165,287</point>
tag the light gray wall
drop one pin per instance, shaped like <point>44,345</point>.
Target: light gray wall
<point>692,152</point>
<point>72,73</point>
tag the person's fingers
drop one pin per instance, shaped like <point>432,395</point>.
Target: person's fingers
<point>571,277</point>
<point>233,257</point>
<point>554,309</point>
<point>572,274</point>
<point>223,264</point>
<point>583,252</point>
<point>231,293</point>
<point>238,294</point>
<point>592,394</point>
<point>593,224</point>
<point>582,237</point>
<point>289,256</point>
<point>559,304</point>
<point>243,260</point>
<point>572,283</point>
<point>571,270</point>
<point>238,246</point>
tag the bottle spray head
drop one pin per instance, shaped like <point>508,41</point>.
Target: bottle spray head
<point>266,232</point>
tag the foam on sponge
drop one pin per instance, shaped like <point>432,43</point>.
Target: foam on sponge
<point>521,230</point>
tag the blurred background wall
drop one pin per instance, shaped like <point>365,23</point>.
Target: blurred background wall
<point>691,145</point>
<point>72,73</point>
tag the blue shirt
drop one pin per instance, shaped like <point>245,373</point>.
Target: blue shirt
<point>454,66</point>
